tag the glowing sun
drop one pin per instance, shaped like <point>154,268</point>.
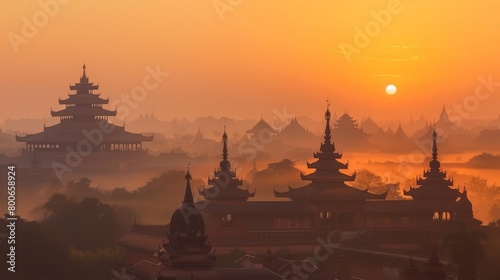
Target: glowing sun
<point>391,89</point>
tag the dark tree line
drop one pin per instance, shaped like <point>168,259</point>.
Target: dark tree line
<point>74,240</point>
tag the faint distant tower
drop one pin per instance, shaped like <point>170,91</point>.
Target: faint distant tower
<point>262,130</point>
<point>198,138</point>
<point>444,119</point>
<point>348,134</point>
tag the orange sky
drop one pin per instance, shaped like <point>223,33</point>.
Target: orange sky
<point>263,55</point>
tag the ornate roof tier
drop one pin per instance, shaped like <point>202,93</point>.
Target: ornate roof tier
<point>60,134</point>
<point>83,112</point>
<point>328,177</point>
<point>83,99</point>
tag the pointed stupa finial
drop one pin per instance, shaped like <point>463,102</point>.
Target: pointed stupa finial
<point>327,113</point>
<point>434,164</point>
<point>84,78</point>
<point>188,195</point>
<point>434,145</point>
<point>224,164</point>
<point>224,142</point>
<point>328,136</point>
<point>224,135</point>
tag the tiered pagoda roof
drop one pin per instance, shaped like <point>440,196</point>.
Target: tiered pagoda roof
<point>434,184</point>
<point>327,181</point>
<point>83,112</point>
<point>65,133</point>
<point>225,180</point>
<point>84,104</point>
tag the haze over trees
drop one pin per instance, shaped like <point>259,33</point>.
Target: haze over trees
<point>73,240</point>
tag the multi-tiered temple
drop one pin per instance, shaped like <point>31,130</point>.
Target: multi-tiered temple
<point>435,191</point>
<point>434,184</point>
<point>327,181</point>
<point>224,185</point>
<point>339,204</point>
<point>187,254</point>
<point>84,128</point>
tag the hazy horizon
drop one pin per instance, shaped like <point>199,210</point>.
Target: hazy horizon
<point>255,58</point>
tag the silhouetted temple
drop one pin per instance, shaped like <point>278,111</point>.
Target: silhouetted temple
<point>229,214</point>
<point>434,206</point>
<point>187,255</point>
<point>435,191</point>
<point>224,185</point>
<point>350,218</point>
<point>339,205</point>
<point>84,129</point>
<point>434,184</point>
<point>187,246</point>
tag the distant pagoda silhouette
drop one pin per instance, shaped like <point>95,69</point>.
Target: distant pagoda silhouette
<point>348,134</point>
<point>84,120</point>
<point>224,184</point>
<point>261,127</point>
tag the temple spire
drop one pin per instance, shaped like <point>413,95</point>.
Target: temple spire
<point>188,196</point>
<point>328,135</point>
<point>434,146</point>
<point>84,78</point>
<point>224,164</point>
<point>224,142</point>
<point>434,164</point>
<point>225,180</point>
